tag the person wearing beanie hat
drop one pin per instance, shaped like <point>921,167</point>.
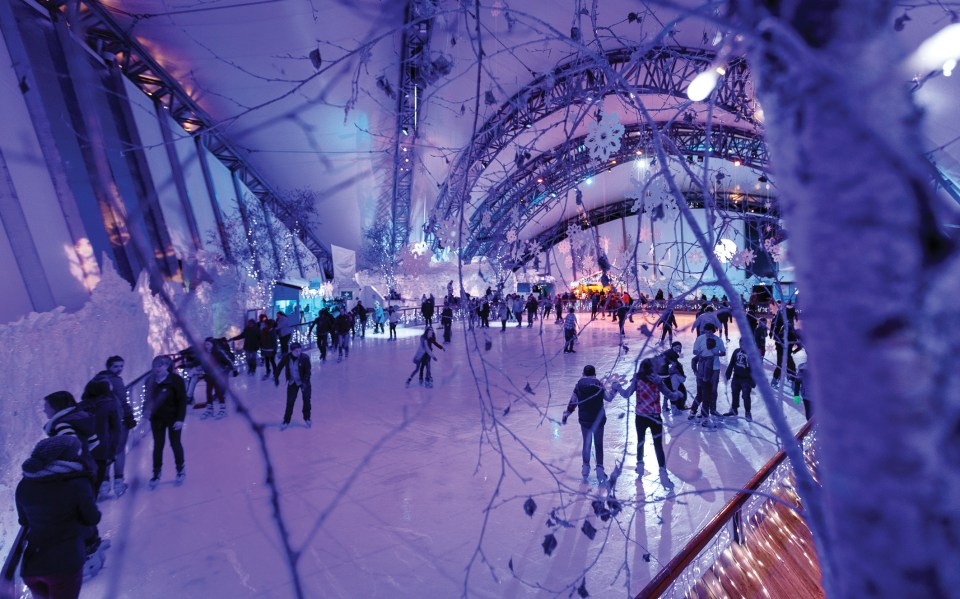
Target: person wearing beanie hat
<point>56,506</point>
<point>296,364</point>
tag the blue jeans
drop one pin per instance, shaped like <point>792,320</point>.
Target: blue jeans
<point>593,431</point>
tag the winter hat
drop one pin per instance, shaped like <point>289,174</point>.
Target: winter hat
<point>63,448</point>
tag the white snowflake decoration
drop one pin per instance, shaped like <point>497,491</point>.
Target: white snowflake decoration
<point>603,137</point>
<point>511,236</point>
<point>742,259</point>
<point>775,250</point>
<point>568,262</point>
<point>534,247</point>
<point>486,220</point>
<point>695,256</point>
<point>564,247</point>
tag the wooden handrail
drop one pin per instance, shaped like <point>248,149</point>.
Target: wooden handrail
<point>694,546</point>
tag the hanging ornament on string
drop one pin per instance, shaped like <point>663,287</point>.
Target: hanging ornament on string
<point>603,137</point>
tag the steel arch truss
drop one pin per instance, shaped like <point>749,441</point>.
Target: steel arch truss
<point>662,70</point>
<point>533,189</point>
<point>113,45</point>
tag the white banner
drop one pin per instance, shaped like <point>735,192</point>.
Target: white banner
<point>344,265</point>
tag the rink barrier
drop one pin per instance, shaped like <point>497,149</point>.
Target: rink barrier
<point>686,568</point>
<point>9,580</point>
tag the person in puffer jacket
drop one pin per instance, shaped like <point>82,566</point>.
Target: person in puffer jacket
<point>56,506</point>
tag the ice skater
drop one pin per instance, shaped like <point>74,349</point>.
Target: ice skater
<point>166,403</point>
<point>569,331</point>
<point>296,365</point>
<point>648,387</point>
<point>424,355</point>
<point>739,370</point>
<point>587,398</point>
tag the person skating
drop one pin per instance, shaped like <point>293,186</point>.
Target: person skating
<point>251,344</point>
<point>111,375</point>
<point>587,398</point>
<point>742,375</point>
<point>570,327</point>
<point>268,347</point>
<point>216,374</point>
<point>98,401</point>
<point>424,356</point>
<point>446,321</point>
<point>394,314</point>
<point>344,324</point>
<point>671,370</point>
<point>166,404</point>
<point>56,507</point>
<point>296,365</point>
<point>707,349</point>
<point>648,387</point>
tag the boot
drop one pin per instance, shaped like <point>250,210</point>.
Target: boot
<point>601,475</point>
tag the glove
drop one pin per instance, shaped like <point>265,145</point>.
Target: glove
<point>564,419</point>
<point>177,425</point>
<point>129,422</point>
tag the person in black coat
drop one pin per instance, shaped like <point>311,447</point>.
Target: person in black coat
<point>118,388</point>
<point>446,321</point>
<point>324,325</point>
<point>251,344</point>
<point>587,398</point>
<point>56,506</point>
<point>166,403</point>
<point>296,365</point>
<point>98,401</point>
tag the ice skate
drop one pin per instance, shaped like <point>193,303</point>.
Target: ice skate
<point>640,467</point>
<point>222,412</point>
<point>154,481</point>
<point>585,471</point>
<point>601,476</point>
<point>208,413</point>
<point>181,476</point>
<point>307,423</point>
<point>428,384</point>
<point>119,487</point>
<point>104,492</point>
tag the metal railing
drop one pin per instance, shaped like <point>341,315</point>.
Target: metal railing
<point>727,527</point>
<point>8,576</point>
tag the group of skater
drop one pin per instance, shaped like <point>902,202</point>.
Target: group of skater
<point>659,384</point>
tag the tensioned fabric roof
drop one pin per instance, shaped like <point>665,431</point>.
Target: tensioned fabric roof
<point>308,90</point>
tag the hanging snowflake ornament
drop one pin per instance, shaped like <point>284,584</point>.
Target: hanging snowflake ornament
<point>695,256</point>
<point>603,137</point>
<point>568,262</point>
<point>564,247</point>
<point>511,236</point>
<point>775,250</point>
<point>742,259</point>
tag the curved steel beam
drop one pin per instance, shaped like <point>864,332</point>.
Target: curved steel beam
<point>728,201</point>
<point>662,70</point>
<point>555,172</point>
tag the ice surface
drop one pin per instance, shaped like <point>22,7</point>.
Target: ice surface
<point>408,492</point>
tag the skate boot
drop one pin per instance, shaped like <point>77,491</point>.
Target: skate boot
<point>429,384</point>
<point>222,412</point>
<point>154,481</point>
<point>119,487</point>
<point>104,491</point>
<point>585,471</point>
<point>601,475</point>
<point>208,413</point>
<point>181,476</point>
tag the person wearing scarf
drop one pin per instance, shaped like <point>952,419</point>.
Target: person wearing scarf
<point>57,507</point>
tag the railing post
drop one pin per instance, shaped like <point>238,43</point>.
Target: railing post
<point>738,527</point>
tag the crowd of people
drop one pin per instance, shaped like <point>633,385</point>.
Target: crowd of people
<point>82,458</point>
